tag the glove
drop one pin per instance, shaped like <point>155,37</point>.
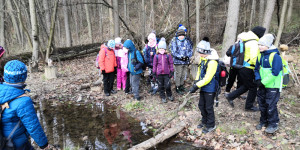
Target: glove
<point>182,58</point>
<point>258,83</point>
<point>194,88</point>
<point>171,75</point>
<point>186,58</point>
<point>103,71</point>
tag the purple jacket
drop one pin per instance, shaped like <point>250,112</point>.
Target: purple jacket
<point>162,64</point>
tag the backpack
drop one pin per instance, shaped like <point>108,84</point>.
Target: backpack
<point>7,142</point>
<point>237,54</point>
<point>143,65</point>
<point>285,68</point>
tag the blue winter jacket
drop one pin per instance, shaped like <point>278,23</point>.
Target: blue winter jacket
<point>134,67</point>
<point>20,109</point>
<point>181,49</point>
<point>276,64</point>
<point>148,58</point>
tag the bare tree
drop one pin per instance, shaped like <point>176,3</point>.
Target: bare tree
<point>88,19</point>
<point>281,25</point>
<point>268,14</point>
<point>13,19</point>
<point>207,11</point>
<point>101,21</point>
<point>152,14</point>
<point>183,7</point>
<point>197,21</point>
<point>35,36</point>
<point>261,11</point>
<point>231,25</point>
<point>125,11</point>
<point>289,14</point>
<point>252,15</point>
<point>2,30</point>
<point>111,23</point>
<point>47,14</point>
<point>67,25</point>
<point>143,20</point>
<point>116,19</point>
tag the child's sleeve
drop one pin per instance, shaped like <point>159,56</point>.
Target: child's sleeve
<point>154,64</point>
<point>210,73</point>
<point>102,59</point>
<point>171,66</point>
<point>256,70</point>
<point>276,65</point>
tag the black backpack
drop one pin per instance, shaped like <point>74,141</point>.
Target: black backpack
<point>236,52</point>
<point>7,142</point>
<point>143,65</point>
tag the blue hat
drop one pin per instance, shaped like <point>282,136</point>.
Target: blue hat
<point>111,44</point>
<point>15,71</point>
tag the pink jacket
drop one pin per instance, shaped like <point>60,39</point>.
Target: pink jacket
<point>124,62</point>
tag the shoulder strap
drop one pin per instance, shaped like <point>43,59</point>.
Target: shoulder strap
<point>13,131</point>
<point>259,57</point>
<point>271,57</point>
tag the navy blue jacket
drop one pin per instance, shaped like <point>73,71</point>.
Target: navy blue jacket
<point>20,109</point>
<point>147,56</point>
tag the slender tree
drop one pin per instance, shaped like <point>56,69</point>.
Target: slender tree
<point>47,14</point>
<point>88,18</point>
<point>231,25</point>
<point>207,11</point>
<point>2,30</point>
<point>289,14</point>
<point>281,25</point>
<point>252,14</point>
<point>143,20</point>
<point>261,12</point>
<point>67,25</point>
<point>152,14</point>
<point>268,14</point>
<point>101,21</point>
<point>125,11</point>
<point>13,19</point>
<point>197,21</point>
<point>111,23</point>
<point>35,36</point>
<point>116,18</point>
<point>51,33</point>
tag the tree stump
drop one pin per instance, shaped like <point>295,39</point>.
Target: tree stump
<point>50,72</point>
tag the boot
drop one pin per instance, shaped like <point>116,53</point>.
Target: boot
<point>164,100</point>
<point>178,90</point>
<point>182,89</point>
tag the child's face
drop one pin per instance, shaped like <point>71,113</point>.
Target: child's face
<point>262,48</point>
<point>181,37</point>
<point>119,45</point>
<point>203,55</point>
<point>161,51</point>
<point>125,49</point>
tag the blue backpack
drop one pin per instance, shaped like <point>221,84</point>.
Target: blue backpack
<point>236,52</point>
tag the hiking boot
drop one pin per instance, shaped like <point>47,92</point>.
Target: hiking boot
<point>182,89</point>
<point>171,98</point>
<point>178,91</point>
<point>164,100</point>
<point>107,94</point>
<point>200,126</point>
<point>242,97</point>
<point>207,130</point>
<point>137,98</point>
<point>260,125</point>
<point>113,92</point>
<point>230,101</point>
<point>252,109</point>
<point>271,130</point>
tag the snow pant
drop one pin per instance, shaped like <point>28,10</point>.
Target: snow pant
<point>206,106</point>
<point>267,100</point>
<point>180,73</point>
<point>233,74</point>
<point>121,79</point>
<point>135,84</point>
<point>164,84</point>
<point>26,146</point>
<point>108,81</point>
<point>127,88</point>
<point>247,78</point>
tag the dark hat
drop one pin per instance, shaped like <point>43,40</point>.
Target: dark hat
<point>259,31</point>
<point>181,32</point>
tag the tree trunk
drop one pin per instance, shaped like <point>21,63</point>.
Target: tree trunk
<point>2,30</point>
<point>268,14</point>
<point>207,11</point>
<point>143,20</point>
<point>14,20</point>
<point>252,14</point>
<point>101,21</point>
<point>116,19</point>
<point>289,14</point>
<point>183,7</point>
<point>231,25</point>
<point>111,23</point>
<point>281,25</point>
<point>35,36</point>
<point>51,34</point>
<point>47,15</point>
<point>125,11</point>
<point>67,25</point>
<point>87,12</point>
<point>152,14</point>
<point>261,11</point>
<point>197,21</point>
<point>76,19</point>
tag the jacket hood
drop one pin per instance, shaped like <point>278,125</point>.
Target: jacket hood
<point>269,51</point>
<point>129,44</point>
<point>248,36</point>
<point>214,55</point>
<point>9,92</point>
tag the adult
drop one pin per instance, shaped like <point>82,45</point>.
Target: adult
<point>246,73</point>
<point>19,117</point>
<point>182,50</point>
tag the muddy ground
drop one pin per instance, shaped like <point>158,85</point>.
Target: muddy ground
<point>235,126</point>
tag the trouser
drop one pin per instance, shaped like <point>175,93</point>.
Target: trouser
<point>127,88</point>
<point>121,79</point>
<point>108,81</point>
<point>180,72</point>
<point>206,106</point>
<point>26,146</point>
<point>247,78</point>
<point>164,84</point>
<point>150,75</point>
<point>135,84</point>
<point>267,99</point>
<point>233,74</point>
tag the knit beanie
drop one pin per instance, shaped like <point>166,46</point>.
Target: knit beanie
<point>118,40</point>
<point>203,47</point>
<point>162,43</point>
<point>259,31</point>
<point>111,44</point>
<point>266,40</point>
<point>181,30</point>
<point>15,71</point>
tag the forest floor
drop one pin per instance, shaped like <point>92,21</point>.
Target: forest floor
<point>235,126</point>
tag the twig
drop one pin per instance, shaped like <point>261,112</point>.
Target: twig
<point>296,76</point>
<point>293,76</point>
<point>295,38</point>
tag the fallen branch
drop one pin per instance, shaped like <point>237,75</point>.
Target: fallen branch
<point>296,76</point>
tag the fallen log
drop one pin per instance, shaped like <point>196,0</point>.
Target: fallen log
<point>160,137</point>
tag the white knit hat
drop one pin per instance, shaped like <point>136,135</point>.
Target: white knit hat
<point>266,40</point>
<point>118,40</point>
<point>162,43</point>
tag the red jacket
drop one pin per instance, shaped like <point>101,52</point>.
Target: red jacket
<point>107,59</point>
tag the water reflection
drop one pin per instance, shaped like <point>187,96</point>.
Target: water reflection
<point>88,126</point>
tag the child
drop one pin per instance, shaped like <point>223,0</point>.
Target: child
<point>124,68</point>
<point>206,80</point>
<point>108,64</point>
<point>163,70</point>
<point>121,75</point>
<point>268,77</point>
<point>135,63</point>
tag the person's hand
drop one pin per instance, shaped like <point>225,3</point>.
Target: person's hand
<point>103,71</point>
<point>171,75</point>
<point>194,88</point>
<point>258,83</point>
